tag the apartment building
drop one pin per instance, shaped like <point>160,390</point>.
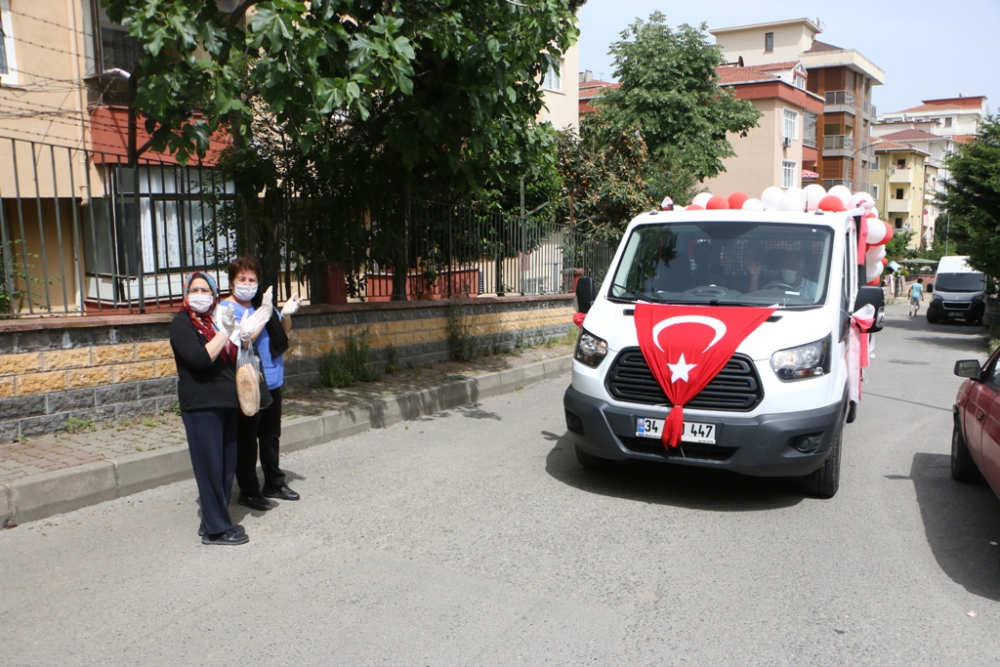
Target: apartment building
<point>842,77</point>
<point>783,149</point>
<point>561,92</point>
<point>902,184</point>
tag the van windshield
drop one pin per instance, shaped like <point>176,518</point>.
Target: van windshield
<point>725,263</point>
<point>959,282</point>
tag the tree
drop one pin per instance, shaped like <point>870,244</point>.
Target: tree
<point>669,91</point>
<point>972,198</point>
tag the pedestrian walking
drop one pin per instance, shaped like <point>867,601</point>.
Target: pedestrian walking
<point>259,435</point>
<point>916,296</point>
<point>206,389</point>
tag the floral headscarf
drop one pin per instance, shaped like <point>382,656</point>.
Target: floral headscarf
<point>203,321</point>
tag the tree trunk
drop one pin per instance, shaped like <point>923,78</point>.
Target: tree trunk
<point>401,265</point>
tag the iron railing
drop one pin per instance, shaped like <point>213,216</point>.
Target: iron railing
<point>84,232</point>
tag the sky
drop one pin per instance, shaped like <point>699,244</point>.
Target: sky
<point>927,50</point>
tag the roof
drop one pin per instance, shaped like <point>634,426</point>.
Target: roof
<point>753,73</point>
<point>591,89</point>
<point>885,146</point>
<point>911,135</point>
<point>773,24</point>
<point>946,104</point>
<point>818,46</point>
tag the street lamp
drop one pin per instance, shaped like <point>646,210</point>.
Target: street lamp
<point>850,158</point>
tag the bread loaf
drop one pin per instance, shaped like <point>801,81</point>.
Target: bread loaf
<point>248,389</point>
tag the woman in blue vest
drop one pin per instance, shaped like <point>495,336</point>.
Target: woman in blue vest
<point>261,433</point>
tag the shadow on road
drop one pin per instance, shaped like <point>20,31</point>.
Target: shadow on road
<point>674,485</point>
<point>952,336</point>
<point>960,521</point>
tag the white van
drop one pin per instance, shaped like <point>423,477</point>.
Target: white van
<point>957,293</point>
<point>778,406</point>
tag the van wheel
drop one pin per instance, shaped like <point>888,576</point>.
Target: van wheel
<point>824,482</point>
<point>963,468</point>
<point>591,462</point>
<point>932,320</point>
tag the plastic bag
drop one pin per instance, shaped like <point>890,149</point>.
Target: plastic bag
<point>248,381</point>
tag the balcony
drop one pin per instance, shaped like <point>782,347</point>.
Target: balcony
<point>869,108</point>
<point>901,176</point>
<point>899,206</point>
<point>838,145</point>
<point>840,101</point>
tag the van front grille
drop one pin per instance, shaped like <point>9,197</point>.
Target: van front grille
<point>686,450</point>
<point>736,388</point>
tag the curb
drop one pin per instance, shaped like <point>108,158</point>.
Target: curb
<point>46,494</point>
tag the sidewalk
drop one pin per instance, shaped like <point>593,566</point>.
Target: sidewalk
<point>52,474</point>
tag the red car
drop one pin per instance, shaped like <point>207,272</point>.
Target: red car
<point>975,441</point>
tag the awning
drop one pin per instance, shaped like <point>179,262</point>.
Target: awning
<point>809,175</point>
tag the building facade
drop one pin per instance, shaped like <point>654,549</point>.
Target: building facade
<point>902,182</point>
<point>844,78</point>
<point>561,93</point>
<point>783,149</point>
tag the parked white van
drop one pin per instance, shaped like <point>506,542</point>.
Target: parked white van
<point>779,405</point>
<point>958,292</point>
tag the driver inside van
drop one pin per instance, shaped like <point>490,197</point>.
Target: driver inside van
<point>793,268</point>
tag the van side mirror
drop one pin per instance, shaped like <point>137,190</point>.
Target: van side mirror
<point>870,294</point>
<point>584,294</point>
<point>968,368</point>
<point>930,288</point>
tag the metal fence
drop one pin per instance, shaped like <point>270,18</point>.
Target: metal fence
<point>85,232</point>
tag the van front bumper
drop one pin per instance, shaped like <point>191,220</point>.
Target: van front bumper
<point>770,445</point>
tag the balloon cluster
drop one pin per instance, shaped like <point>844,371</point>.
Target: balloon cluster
<point>872,236</point>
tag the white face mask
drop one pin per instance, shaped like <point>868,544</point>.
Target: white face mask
<point>200,303</point>
<point>245,292</point>
<point>789,276</point>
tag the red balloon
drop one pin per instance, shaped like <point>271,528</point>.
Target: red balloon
<point>885,261</point>
<point>737,199</point>
<point>694,207</point>
<point>831,204</point>
<point>868,216</point>
<point>875,282</point>
<point>717,202</point>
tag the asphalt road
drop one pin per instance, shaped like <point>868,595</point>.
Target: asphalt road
<point>474,538</point>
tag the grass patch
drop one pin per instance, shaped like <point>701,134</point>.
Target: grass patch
<point>461,342</point>
<point>77,425</point>
<point>352,365</point>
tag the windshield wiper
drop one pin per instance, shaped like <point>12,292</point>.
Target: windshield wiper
<point>635,295</point>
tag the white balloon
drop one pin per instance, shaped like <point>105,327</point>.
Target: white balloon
<point>771,197</point>
<point>753,204</point>
<point>842,193</point>
<point>679,208</point>
<point>862,200</point>
<point>874,211</point>
<point>791,200</point>
<point>701,199</point>
<point>876,231</point>
<point>874,254</point>
<point>814,194</point>
<point>874,272</point>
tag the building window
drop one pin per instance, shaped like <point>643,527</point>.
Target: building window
<point>899,193</point>
<point>8,63</point>
<point>553,80</point>
<point>901,163</point>
<point>877,162</point>
<point>899,223</point>
<point>769,41</point>
<point>947,121</point>
<point>791,124</point>
<point>787,174</point>
<point>875,192</point>
<point>809,129</point>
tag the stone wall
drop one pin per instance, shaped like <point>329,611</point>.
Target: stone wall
<point>110,367</point>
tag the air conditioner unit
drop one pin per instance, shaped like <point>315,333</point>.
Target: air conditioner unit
<point>786,142</point>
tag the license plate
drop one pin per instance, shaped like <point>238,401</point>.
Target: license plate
<point>954,314</point>
<point>646,427</point>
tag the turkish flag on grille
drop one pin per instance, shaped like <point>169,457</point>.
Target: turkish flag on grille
<point>687,346</point>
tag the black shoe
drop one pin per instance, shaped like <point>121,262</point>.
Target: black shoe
<point>254,502</point>
<point>237,527</point>
<point>282,492</point>
<point>231,537</point>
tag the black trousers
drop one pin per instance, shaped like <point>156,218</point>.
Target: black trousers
<point>260,433</point>
<point>211,438</point>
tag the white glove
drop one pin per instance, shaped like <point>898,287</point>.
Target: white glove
<point>246,326</point>
<point>291,306</point>
<point>263,314</point>
<point>225,317</point>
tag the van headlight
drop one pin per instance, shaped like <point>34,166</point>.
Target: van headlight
<point>802,362</point>
<point>590,349</point>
